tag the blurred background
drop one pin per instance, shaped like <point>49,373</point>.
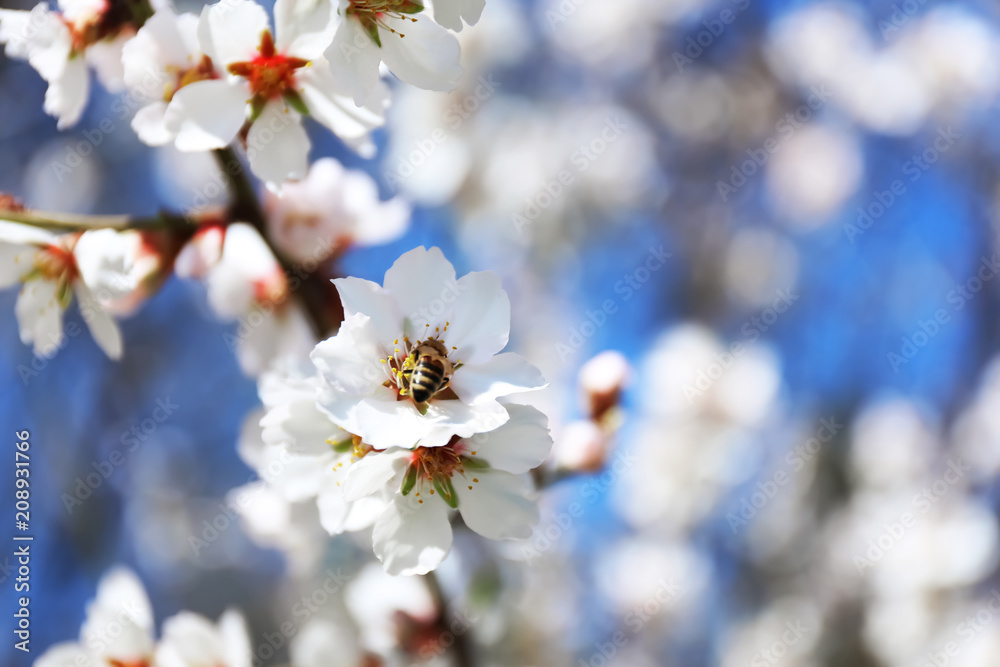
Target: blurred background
<point>783,214</point>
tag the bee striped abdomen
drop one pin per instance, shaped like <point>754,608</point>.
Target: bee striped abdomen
<point>426,379</point>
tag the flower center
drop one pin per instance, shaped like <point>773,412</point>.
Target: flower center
<point>56,262</point>
<point>420,370</point>
<point>437,466</point>
<point>372,14</point>
<point>203,71</point>
<point>270,74</point>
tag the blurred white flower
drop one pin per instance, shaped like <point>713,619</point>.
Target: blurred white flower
<point>163,57</point>
<point>330,210</point>
<point>247,284</point>
<point>117,630</point>
<point>94,265</point>
<point>301,454</point>
<point>414,48</point>
<point>377,601</point>
<point>61,44</point>
<point>451,13</point>
<point>416,359</point>
<point>271,82</point>
<point>191,640</point>
<point>482,477</point>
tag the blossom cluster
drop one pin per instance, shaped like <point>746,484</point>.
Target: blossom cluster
<point>206,80</point>
<point>352,432</point>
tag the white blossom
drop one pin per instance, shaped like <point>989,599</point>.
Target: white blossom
<point>421,306</point>
<point>330,210</point>
<point>482,477</point>
<point>270,82</point>
<point>95,266</point>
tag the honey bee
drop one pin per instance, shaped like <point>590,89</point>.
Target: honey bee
<point>426,371</point>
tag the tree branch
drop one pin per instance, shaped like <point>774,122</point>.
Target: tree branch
<point>462,645</point>
<point>70,222</point>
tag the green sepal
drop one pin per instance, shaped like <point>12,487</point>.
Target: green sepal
<point>409,7</point>
<point>342,446</point>
<point>257,105</point>
<point>442,483</point>
<point>294,100</point>
<point>64,295</point>
<point>409,480</point>
<point>421,408</point>
<point>372,29</point>
<point>474,463</point>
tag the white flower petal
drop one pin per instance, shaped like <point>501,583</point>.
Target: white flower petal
<point>423,283</point>
<point>411,538</point>
<point>372,473</point>
<point>119,623</point>
<point>480,318</point>
<point>427,57</point>
<point>189,640</point>
<point>519,445</point>
<point>230,31</point>
<point>206,115</point>
<point>304,28</point>
<point>15,261</point>
<point>338,112</point>
<point>15,232</point>
<point>450,13</point>
<point>354,60</point>
<point>497,506</point>
<point>235,639</point>
<point>278,146</point>
<point>504,374</point>
<point>102,327</point>
<point>364,296</point>
<point>349,361</point>
<point>67,95</point>
<point>150,126</point>
<point>39,316</point>
<point>65,654</point>
<point>105,58</point>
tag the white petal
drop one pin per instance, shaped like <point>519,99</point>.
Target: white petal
<point>13,28</point>
<point>230,31</point>
<point>188,640</point>
<point>450,13</point>
<point>333,509</point>
<point>251,445</point>
<point>102,327</point>
<point>411,538</point>
<point>119,623</point>
<point>372,473</point>
<point>39,316</point>
<point>301,427</point>
<point>423,283</point>
<point>428,55</point>
<point>159,44</point>
<point>480,318</point>
<point>277,145</point>
<point>350,361</point>
<point>67,95</point>
<point>65,654</point>
<point>105,58</point>
<point>363,296</point>
<point>295,476</point>
<point>235,639</point>
<point>206,115</point>
<point>354,60</point>
<point>519,445</point>
<point>106,258</point>
<point>149,124</point>
<point>350,122</point>
<point>15,261</point>
<point>304,27</point>
<point>15,232</point>
<point>504,374</point>
<point>497,506</point>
